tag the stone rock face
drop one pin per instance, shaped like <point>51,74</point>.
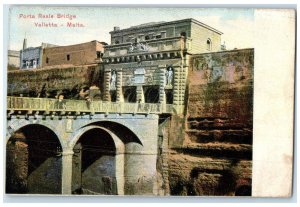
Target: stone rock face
<point>32,165</point>
<point>216,153</point>
<point>192,174</point>
<point>48,82</point>
<point>16,164</point>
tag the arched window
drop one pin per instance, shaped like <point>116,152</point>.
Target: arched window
<point>208,44</point>
<point>183,34</point>
<point>151,94</point>
<point>129,94</point>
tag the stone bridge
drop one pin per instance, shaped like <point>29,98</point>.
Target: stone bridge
<point>75,147</point>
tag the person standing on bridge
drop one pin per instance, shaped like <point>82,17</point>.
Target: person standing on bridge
<point>61,103</point>
<point>88,102</point>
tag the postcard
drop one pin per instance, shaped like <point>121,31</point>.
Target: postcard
<point>150,101</point>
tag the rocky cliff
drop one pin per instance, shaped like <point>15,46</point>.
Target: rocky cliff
<point>214,155</point>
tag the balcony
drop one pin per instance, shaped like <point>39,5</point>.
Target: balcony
<point>30,105</point>
<point>165,45</point>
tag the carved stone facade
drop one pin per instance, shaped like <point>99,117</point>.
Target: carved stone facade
<point>154,57</point>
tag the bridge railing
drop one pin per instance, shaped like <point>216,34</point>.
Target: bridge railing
<point>66,105</point>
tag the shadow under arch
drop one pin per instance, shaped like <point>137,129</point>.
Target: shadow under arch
<point>22,125</point>
<point>125,134</point>
<point>97,151</point>
<point>32,162</point>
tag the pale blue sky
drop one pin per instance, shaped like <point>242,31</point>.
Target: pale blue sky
<point>236,24</point>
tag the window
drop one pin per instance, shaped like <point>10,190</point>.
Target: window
<point>151,94</point>
<point>68,57</point>
<point>151,35</point>
<point>158,36</point>
<point>117,42</point>
<point>208,44</point>
<point>129,94</point>
<point>47,60</point>
<point>98,54</point>
<point>113,96</point>
<point>147,37</point>
<point>34,63</point>
<point>183,34</point>
<point>169,96</point>
<point>141,37</point>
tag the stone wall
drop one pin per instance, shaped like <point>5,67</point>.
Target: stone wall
<point>33,165</point>
<point>16,164</point>
<point>199,45</point>
<point>215,155</point>
<point>169,29</point>
<point>33,82</point>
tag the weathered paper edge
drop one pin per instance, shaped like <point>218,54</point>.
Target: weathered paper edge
<point>273,102</point>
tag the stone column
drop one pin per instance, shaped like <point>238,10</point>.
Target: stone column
<point>176,86</point>
<point>67,156</point>
<point>120,160</point>
<point>181,86</point>
<point>140,93</point>
<point>76,168</point>
<point>162,83</point>
<point>183,79</point>
<point>107,77</point>
<point>119,91</point>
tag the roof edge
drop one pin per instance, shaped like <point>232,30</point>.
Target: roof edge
<point>166,23</point>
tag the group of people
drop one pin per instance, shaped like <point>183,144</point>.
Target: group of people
<point>93,92</point>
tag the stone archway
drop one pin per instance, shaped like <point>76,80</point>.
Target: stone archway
<point>130,94</point>
<point>98,162</point>
<point>151,94</point>
<point>33,161</point>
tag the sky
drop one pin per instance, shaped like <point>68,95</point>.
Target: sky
<point>237,25</point>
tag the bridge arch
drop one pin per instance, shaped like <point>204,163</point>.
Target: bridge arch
<point>33,162</point>
<point>18,124</point>
<point>118,143</point>
<point>100,152</point>
<point>123,139</point>
<point>123,132</point>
